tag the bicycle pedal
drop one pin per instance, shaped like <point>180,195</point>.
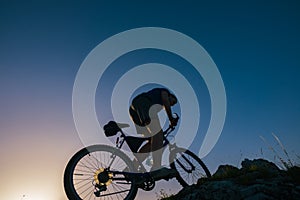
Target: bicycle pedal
<point>164,173</point>
<point>97,193</point>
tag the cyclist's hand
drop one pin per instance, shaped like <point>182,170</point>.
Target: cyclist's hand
<point>173,122</point>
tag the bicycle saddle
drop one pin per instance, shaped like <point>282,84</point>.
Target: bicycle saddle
<point>112,128</point>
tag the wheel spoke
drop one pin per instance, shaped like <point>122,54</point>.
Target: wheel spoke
<point>82,172</point>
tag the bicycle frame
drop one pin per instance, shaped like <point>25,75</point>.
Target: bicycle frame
<point>123,136</point>
<point>119,143</point>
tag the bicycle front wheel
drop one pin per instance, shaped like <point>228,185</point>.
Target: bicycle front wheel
<point>90,174</point>
<point>189,167</point>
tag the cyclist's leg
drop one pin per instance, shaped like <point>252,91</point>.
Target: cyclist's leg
<point>156,142</point>
<point>144,151</point>
<point>140,129</point>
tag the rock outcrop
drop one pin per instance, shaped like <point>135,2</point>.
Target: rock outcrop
<point>257,179</point>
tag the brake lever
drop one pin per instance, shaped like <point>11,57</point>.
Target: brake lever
<point>176,116</point>
<point>171,128</point>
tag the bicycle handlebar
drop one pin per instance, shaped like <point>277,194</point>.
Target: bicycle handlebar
<point>171,128</point>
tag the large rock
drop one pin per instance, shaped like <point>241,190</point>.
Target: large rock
<point>257,179</point>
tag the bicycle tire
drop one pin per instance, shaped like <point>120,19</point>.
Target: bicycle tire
<point>79,176</point>
<point>184,161</point>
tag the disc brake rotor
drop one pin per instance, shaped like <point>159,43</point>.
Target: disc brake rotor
<point>103,177</point>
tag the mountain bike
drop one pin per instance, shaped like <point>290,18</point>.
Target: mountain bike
<point>106,172</point>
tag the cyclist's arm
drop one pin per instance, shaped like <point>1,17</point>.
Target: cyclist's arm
<point>166,104</point>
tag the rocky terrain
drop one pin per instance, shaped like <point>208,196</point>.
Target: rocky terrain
<point>257,179</point>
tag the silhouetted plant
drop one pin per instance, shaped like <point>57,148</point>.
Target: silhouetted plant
<point>163,194</point>
<point>286,164</point>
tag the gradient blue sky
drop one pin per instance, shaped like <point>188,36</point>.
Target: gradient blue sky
<point>255,45</point>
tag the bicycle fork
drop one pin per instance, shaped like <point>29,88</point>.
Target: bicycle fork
<point>185,167</point>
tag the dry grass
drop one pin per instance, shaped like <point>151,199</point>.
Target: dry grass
<point>285,161</point>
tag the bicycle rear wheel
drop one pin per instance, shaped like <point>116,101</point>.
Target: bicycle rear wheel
<point>90,174</point>
<point>189,167</point>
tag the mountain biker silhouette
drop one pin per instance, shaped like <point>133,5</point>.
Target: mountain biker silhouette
<point>101,170</point>
<point>144,113</point>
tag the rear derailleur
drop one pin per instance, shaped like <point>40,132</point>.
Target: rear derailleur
<point>99,189</point>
